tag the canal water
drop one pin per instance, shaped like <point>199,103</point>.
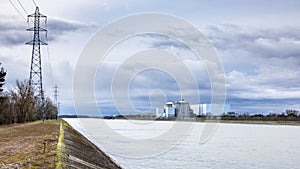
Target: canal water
<point>157,144</point>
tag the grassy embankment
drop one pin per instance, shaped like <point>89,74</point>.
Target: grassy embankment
<point>22,145</point>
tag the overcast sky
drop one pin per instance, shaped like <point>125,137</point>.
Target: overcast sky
<point>258,43</point>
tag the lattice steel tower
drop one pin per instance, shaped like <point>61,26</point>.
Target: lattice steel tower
<point>55,95</point>
<point>36,80</point>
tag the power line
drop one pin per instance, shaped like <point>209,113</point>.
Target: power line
<point>48,56</point>
<point>24,10</point>
<point>12,4</point>
<point>49,61</point>
<point>34,3</point>
<point>22,7</point>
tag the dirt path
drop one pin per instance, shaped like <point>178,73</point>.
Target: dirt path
<point>22,145</point>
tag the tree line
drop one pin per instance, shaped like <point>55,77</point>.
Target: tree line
<point>22,104</point>
<point>288,115</point>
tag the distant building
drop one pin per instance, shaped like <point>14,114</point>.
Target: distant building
<point>205,109</point>
<point>179,109</point>
<point>182,109</point>
<point>169,109</point>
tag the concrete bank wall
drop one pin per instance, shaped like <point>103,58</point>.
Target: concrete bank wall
<point>75,151</point>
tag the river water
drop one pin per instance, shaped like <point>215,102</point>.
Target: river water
<point>141,144</point>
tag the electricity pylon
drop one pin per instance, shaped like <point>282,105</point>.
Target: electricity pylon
<point>35,79</point>
<point>55,95</point>
<point>56,103</point>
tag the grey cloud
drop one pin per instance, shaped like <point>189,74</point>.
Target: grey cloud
<point>260,42</point>
<point>11,38</point>
<point>59,26</point>
<point>271,56</point>
<point>256,73</point>
<point>269,83</point>
<point>163,41</point>
<point>262,66</point>
<point>13,32</point>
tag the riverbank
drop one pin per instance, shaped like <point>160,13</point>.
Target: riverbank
<point>22,145</point>
<point>75,151</point>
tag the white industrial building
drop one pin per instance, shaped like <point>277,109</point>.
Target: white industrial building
<point>182,109</point>
<point>179,109</point>
<point>169,109</point>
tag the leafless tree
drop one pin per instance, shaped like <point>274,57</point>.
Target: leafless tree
<point>25,102</point>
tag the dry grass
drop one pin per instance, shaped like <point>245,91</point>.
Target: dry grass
<point>22,145</point>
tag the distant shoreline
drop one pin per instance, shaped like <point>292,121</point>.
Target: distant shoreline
<point>293,123</point>
<point>265,122</point>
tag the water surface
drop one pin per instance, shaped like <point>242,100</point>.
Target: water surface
<point>231,146</point>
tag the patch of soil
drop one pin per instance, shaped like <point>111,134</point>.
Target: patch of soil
<point>22,145</point>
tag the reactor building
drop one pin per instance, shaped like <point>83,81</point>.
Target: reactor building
<point>179,109</point>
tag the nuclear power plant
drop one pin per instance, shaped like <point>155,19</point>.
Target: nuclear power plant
<point>183,110</point>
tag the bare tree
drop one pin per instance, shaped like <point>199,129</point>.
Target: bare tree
<point>25,102</point>
<point>291,112</point>
<point>50,110</point>
<point>7,115</point>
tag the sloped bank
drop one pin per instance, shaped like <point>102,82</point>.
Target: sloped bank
<point>75,151</point>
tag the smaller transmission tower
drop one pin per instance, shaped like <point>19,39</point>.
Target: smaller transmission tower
<point>55,96</point>
<point>35,79</point>
<point>56,103</point>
